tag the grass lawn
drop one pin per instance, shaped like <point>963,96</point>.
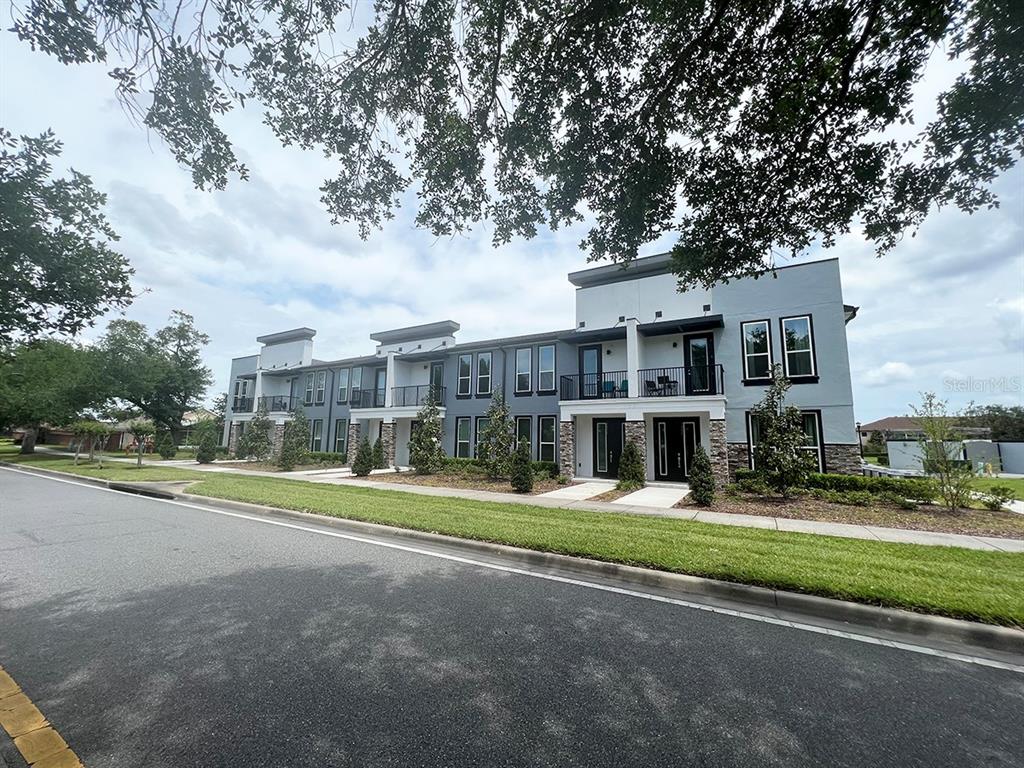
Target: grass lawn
<point>984,483</point>
<point>111,470</point>
<point>963,583</point>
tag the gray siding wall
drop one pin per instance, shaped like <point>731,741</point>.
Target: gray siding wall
<point>240,366</point>
<point>812,289</point>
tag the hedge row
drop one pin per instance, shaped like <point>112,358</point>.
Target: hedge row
<point>327,457</point>
<point>917,488</point>
<point>543,468</point>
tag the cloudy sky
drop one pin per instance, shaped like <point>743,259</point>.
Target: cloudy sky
<point>943,312</point>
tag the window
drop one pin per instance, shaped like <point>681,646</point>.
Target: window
<point>546,368</point>
<point>462,427</point>
<point>356,384</point>
<point>798,346</point>
<point>341,436</point>
<point>757,355</point>
<point>524,377</point>
<point>321,386</point>
<point>343,385</point>
<point>483,373</point>
<point>465,374</point>
<point>240,401</point>
<point>812,435</point>
<point>547,434</point>
<point>524,427</point>
<point>481,427</point>
<point>316,435</point>
<point>310,383</point>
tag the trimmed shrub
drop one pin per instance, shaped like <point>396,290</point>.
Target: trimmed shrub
<point>564,480</point>
<point>545,469</point>
<point>326,457</point>
<point>998,496</point>
<point>294,442</point>
<point>206,445</point>
<point>364,458</point>
<point>377,455</point>
<point>522,470</point>
<point>753,484</point>
<point>632,474</point>
<point>165,446</point>
<point>702,481</point>
<point>917,488</point>
<point>897,500</point>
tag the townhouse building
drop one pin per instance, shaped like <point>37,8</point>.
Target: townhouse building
<point>643,362</point>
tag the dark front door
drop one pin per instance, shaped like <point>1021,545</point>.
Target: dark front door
<point>607,446</point>
<point>699,359</point>
<point>437,379</point>
<point>381,384</point>
<point>675,440</point>
<point>590,371</point>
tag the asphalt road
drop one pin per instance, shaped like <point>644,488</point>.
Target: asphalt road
<point>153,634</point>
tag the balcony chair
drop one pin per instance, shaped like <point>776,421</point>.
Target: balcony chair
<point>607,389</point>
<point>651,388</point>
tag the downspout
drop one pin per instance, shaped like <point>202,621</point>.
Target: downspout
<point>330,411</point>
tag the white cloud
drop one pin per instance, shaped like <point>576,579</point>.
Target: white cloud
<point>887,373</point>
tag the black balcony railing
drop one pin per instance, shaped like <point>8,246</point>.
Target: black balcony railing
<point>367,398</point>
<point>691,380</point>
<point>280,403</point>
<point>416,395</point>
<point>594,386</point>
<point>241,405</point>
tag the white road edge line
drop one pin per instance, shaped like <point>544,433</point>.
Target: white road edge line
<point>868,639</point>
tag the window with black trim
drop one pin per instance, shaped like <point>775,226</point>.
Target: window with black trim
<point>321,387</point>
<point>343,385</point>
<point>341,436</point>
<point>546,368</point>
<point>465,375</point>
<point>310,386</point>
<point>481,427</point>
<point>524,370</point>
<point>356,385</point>
<point>316,435</point>
<point>798,346</point>
<point>483,373</point>
<point>812,437</point>
<point>757,349</point>
<point>547,434</point>
<point>462,437</point>
<point>524,428</point>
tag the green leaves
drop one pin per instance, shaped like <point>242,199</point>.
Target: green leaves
<point>752,128</point>
<point>58,271</point>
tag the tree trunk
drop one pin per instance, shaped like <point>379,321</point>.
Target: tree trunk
<point>92,448</point>
<point>28,442</point>
<point>78,449</point>
<point>141,443</point>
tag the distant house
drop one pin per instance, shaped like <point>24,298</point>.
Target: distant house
<point>907,428</point>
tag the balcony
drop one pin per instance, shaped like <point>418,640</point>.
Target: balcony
<point>279,403</point>
<point>367,398</point>
<point>689,381</point>
<point>594,386</point>
<point>416,395</point>
<point>241,405</point>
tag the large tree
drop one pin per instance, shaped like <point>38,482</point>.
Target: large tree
<point>47,382</point>
<point>58,271</point>
<point>162,375</point>
<point>750,127</point>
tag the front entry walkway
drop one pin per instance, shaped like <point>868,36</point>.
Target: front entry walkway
<point>658,496</point>
<point>579,491</point>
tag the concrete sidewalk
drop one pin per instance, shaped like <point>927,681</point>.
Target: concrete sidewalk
<point>843,530</point>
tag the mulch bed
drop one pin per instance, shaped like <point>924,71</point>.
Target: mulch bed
<point>927,517</point>
<point>269,466</point>
<point>611,495</point>
<point>461,480</point>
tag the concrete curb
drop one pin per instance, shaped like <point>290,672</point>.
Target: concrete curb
<point>1005,639</point>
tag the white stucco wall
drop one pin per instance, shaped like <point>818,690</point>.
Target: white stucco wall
<point>600,306</point>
